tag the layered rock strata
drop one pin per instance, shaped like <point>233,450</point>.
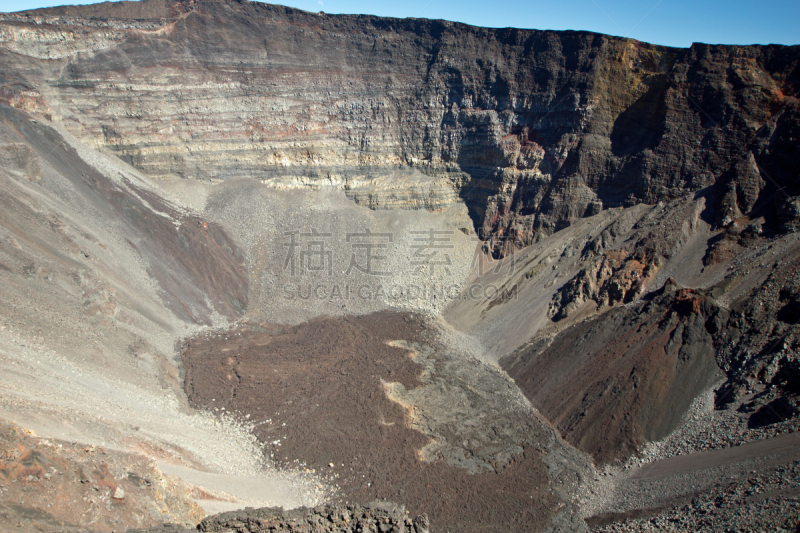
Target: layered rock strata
<point>532,129</point>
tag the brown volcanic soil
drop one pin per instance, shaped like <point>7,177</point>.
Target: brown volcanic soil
<point>625,377</point>
<point>317,389</point>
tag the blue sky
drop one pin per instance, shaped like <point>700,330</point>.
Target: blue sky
<point>667,22</point>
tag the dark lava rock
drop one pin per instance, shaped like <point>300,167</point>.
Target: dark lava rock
<point>384,517</point>
<point>322,390</point>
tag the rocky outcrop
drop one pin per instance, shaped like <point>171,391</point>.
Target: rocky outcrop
<point>377,516</point>
<point>532,129</point>
<point>611,278</point>
<point>601,374</point>
<point>758,343</point>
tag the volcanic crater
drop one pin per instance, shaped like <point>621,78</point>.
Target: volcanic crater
<point>513,280</point>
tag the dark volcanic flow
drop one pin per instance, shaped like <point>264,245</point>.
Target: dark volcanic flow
<point>317,394</point>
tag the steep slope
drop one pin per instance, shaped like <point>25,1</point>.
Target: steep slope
<point>101,276</point>
<point>634,370</point>
<point>626,377</point>
<point>589,323</point>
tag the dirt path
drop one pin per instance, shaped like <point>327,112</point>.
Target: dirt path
<point>770,452</point>
<point>678,480</point>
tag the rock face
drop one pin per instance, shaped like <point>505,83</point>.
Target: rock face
<point>377,516</point>
<point>611,278</point>
<point>533,129</point>
<point>758,345</point>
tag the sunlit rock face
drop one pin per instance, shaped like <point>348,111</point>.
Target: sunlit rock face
<point>533,129</point>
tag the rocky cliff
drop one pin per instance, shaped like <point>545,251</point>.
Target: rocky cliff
<point>532,129</point>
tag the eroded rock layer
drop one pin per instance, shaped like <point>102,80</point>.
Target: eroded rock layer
<point>533,129</point>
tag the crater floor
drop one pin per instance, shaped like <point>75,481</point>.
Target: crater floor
<point>382,409</point>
